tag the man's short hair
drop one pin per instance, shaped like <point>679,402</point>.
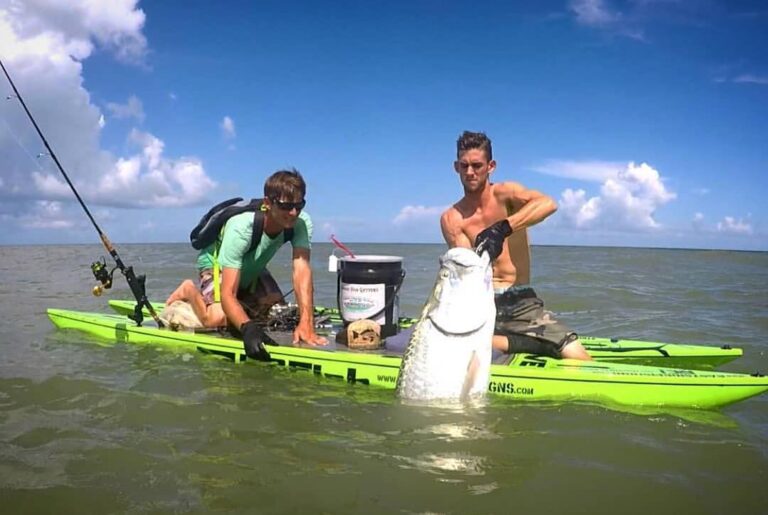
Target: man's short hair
<point>285,185</point>
<point>471,140</point>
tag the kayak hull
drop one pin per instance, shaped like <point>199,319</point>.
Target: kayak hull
<point>612,350</point>
<point>524,378</point>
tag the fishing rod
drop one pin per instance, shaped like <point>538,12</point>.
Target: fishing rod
<point>99,268</point>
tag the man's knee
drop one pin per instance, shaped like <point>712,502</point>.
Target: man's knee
<point>575,350</point>
<point>214,316</point>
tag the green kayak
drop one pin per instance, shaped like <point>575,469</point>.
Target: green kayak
<point>613,350</point>
<point>523,377</point>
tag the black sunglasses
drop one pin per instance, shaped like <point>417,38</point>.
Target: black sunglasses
<point>287,206</point>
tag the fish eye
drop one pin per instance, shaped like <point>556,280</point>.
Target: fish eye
<point>445,274</point>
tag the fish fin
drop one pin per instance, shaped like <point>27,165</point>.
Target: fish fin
<point>473,368</point>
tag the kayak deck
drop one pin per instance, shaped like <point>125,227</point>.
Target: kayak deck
<point>525,377</point>
<point>613,350</point>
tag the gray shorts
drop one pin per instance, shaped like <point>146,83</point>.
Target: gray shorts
<point>529,328</point>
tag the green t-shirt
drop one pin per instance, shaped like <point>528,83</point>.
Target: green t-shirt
<point>237,239</point>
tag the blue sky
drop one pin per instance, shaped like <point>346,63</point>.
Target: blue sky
<point>646,120</point>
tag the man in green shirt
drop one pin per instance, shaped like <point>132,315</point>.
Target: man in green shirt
<point>243,271</point>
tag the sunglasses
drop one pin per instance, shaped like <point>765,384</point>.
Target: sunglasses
<point>287,206</point>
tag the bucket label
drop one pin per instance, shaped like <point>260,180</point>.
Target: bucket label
<point>359,301</point>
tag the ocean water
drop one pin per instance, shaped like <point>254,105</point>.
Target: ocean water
<point>88,426</point>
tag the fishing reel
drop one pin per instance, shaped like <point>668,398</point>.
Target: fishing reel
<point>100,272</point>
<point>283,317</point>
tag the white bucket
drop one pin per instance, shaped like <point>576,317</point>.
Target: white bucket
<point>368,288</point>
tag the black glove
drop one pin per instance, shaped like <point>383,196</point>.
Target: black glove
<point>491,239</point>
<point>254,338</point>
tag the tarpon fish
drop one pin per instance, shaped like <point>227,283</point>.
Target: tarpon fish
<point>448,356</point>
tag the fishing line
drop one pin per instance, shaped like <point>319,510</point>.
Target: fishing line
<point>136,283</point>
<point>22,147</point>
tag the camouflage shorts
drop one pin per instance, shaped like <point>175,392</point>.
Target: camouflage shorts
<point>255,301</point>
<point>521,317</point>
<point>205,285</point>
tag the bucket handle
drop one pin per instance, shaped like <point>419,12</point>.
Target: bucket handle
<point>387,305</point>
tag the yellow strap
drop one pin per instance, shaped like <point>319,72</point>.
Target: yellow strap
<point>216,267</point>
<point>216,271</point>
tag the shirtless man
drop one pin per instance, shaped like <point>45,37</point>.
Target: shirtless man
<point>494,218</point>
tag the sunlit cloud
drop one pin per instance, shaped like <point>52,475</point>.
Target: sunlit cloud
<point>627,201</point>
<point>731,225</point>
<point>594,12</point>
<point>133,108</point>
<point>409,214</point>
<point>227,127</point>
<point>594,171</point>
<point>600,15</point>
<point>44,47</point>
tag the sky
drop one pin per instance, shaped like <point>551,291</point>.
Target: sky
<point>646,120</point>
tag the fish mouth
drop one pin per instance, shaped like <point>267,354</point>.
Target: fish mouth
<point>446,326</point>
<point>458,318</point>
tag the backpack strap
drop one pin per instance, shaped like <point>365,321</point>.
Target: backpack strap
<point>258,225</point>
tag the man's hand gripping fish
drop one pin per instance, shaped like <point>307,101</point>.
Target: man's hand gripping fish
<point>449,354</point>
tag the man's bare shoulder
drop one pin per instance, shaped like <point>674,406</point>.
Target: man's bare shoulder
<point>452,214</point>
<point>451,224</point>
<point>506,190</point>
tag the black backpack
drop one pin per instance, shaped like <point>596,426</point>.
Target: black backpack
<point>208,229</point>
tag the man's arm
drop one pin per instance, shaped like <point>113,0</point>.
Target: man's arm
<point>253,335</point>
<point>450,224</point>
<point>230,279</point>
<point>531,206</point>
<point>302,287</point>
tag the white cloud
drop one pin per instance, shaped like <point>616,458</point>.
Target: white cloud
<point>149,179</point>
<point>596,171</point>
<point>71,28</point>
<point>627,201</point>
<point>44,44</point>
<point>409,214</point>
<point>577,209</point>
<point>46,215</point>
<point>732,226</point>
<point>133,108</point>
<point>749,78</point>
<point>594,12</point>
<point>598,14</point>
<point>698,221</point>
<point>227,127</point>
